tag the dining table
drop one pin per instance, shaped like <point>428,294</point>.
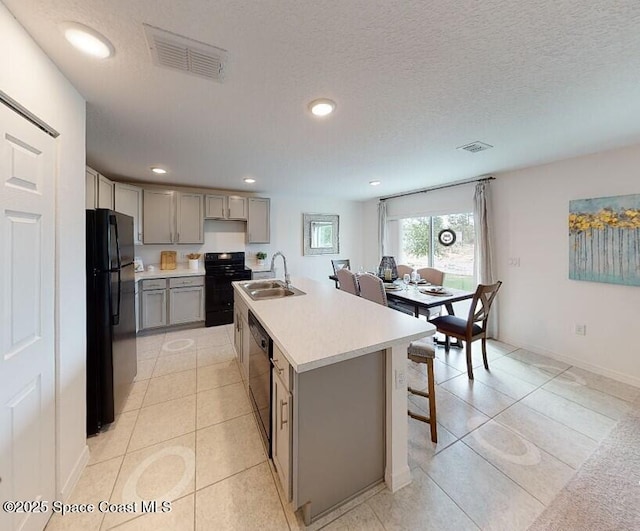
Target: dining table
<point>426,296</point>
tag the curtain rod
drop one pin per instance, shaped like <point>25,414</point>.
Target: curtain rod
<point>431,189</point>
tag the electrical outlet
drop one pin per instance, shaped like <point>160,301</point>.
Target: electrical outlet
<point>401,381</point>
<point>514,261</point>
<point>581,329</point>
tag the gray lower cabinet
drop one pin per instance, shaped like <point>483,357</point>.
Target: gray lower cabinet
<point>241,339</point>
<point>186,305</point>
<point>281,415</point>
<point>172,301</point>
<point>137,306</point>
<point>154,308</point>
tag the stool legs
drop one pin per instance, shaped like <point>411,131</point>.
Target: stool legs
<point>431,395</point>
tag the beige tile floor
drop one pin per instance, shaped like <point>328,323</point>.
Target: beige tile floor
<point>508,442</point>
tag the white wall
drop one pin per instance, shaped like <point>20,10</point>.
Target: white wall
<point>29,77</point>
<point>286,236</point>
<point>539,305</point>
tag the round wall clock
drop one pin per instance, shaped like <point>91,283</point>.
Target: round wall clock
<point>447,237</point>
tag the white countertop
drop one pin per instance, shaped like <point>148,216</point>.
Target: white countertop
<point>327,325</point>
<point>182,270</point>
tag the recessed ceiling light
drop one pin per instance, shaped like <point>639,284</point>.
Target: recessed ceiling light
<point>249,180</point>
<point>87,40</point>
<point>374,183</point>
<point>159,171</point>
<point>322,107</point>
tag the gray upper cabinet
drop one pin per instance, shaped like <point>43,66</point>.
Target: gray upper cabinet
<point>105,192</point>
<point>158,216</point>
<point>225,207</point>
<point>190,218</point>
<point>172,217</point>
<point>91,188</point>
<point>258,221</point>
<point>215,206</point>
<point>128,200</point>
<point>98,190</point>
<point>237,208</point>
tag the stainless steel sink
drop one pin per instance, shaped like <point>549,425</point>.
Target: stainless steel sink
<point>263,284</point>
<point>269,289</point>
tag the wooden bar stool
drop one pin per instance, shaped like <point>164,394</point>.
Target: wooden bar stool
<point>422,351</point>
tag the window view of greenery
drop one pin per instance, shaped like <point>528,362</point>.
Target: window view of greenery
<point>420,247</point>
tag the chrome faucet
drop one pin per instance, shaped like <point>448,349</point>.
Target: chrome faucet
<point>287,280</point>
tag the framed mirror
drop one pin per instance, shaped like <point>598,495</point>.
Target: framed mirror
<point>321,234</point>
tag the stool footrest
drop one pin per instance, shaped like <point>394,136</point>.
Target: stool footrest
<point>416,392</point>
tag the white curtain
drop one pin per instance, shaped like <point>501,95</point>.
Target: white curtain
<point>484,247</point>
<point>382,228</point>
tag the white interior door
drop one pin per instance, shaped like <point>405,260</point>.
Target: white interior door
<point>27,364</point>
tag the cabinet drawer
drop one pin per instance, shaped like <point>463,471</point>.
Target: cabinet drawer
<point>154,283</point>
<point>281,367</point>
<point>185,282</point>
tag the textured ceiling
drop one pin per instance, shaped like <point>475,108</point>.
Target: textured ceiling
<point>412,80</point>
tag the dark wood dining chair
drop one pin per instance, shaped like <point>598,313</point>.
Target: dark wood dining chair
<point>472,328</point>
<point>339,264</point>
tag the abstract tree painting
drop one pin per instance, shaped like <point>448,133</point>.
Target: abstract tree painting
<point>604,239</point>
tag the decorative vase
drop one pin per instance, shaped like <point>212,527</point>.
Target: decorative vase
<point>261,262</point>
<point>193,264</point>
<point>388,263</point>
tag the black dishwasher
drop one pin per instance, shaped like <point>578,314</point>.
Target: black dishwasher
<point>260,354</point>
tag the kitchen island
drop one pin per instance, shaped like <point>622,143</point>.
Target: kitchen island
<point>339,406</point>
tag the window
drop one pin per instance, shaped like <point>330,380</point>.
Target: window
<point>421,247</point>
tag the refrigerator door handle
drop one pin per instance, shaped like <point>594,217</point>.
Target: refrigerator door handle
<point>115,318</point>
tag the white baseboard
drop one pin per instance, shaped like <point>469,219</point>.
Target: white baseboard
<point>73,478</point>
<point>603,371</point>
<point>398,480</point>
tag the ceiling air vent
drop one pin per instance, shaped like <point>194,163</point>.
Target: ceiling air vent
<point>474,147</point>
<point>170,50</point>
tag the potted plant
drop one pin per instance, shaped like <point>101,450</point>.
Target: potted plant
<point>261,257</point>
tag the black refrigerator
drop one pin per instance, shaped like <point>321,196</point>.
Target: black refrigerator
<point>111,323</point>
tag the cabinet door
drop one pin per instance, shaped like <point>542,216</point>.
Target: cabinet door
<point>281,434</point>
<point>128,200</point>
<point>190,216</point>
<point>158,216</point>
<point>237,208</point>
<point>246,345</point>
<point>105,192</point>
<point>91,188</point>
<point>137,306</point>
<point>186,305</point>
<point>215,206</point>
<point>154,308</point>
<point>237,336</point>
<point>258,229</point>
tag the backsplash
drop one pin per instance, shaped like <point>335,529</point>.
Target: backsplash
<point>219,236</point>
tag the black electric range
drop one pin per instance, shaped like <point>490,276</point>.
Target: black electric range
<point>221,269</point>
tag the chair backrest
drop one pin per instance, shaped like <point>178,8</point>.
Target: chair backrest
<point>481,304</point>
<point>348,281</point>
<point>339,264</point>
<point>404,270</point>
<point>372,288</point>
<point>431,275</point>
